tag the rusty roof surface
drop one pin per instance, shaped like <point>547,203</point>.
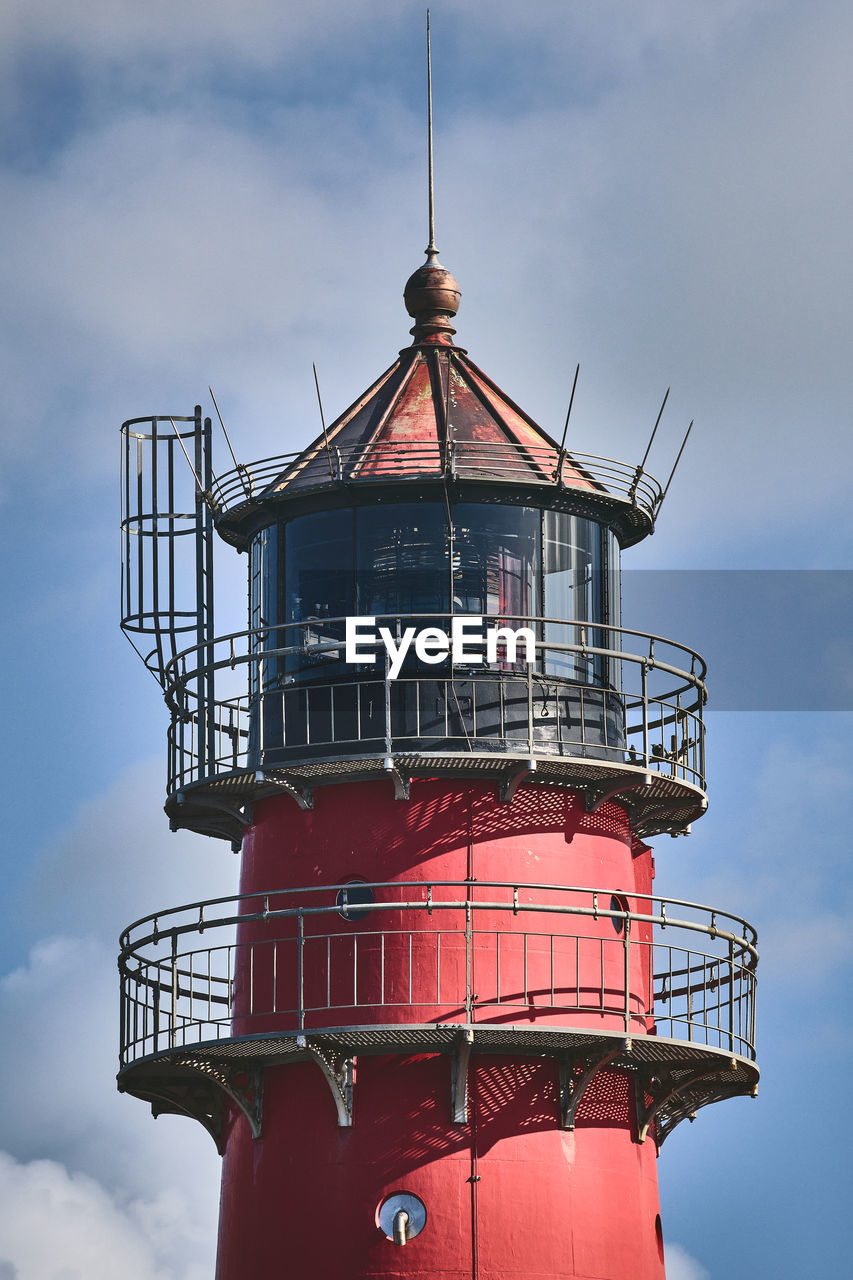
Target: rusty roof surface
<point>432,413</point>
<point>435,416</point>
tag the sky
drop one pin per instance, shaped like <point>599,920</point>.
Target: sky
<point>205,193</point>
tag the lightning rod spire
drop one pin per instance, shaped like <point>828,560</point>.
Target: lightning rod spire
<point>431,250</point>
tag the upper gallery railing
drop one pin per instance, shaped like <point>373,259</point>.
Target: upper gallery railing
<point>477,460</point>
<point>286,695</point>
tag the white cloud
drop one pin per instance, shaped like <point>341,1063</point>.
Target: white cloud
<point>673,227</point>
<point>58,1097</point>
<point>164,251</point>
<point>681,1266</point>
<point>117,860</point>
<point>56,1225</point>
<point>657,193</point>
<point>259,32</point>
<point>783,829</point>
<point>59,1012</point>
<point>262,32</point>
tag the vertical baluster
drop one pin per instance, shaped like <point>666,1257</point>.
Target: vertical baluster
<point>551,940</point>
<point>577,972</point>
<point>626,951</point>
<point>468,960</point>
<point>498,958</point>
<point>122,1016</point>
<point>524,969</point>
<point>174,1010</point>
<point>274,1007</point>
<point>731,995</point>
<point>644,697</point>
<point>601,972</point>
<point>300,968</point>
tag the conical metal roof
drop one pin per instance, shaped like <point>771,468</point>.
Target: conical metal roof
<point>432,414</point>
<point>435,417</point>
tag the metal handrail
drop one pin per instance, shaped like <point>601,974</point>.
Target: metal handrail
<point>178,673</point>
<point>200,922</point>
<point>501,460</point>
<point>703,992</point>
<point>656,694</point>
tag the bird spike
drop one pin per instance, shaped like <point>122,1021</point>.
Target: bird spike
<point>323,421</point>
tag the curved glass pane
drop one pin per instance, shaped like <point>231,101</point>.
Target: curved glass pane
<point>401,559</point>
<point>318,577</point>
<point>318,586</point>
<point>572,589</point>
<point>263,603</point>
<point>496,559</point>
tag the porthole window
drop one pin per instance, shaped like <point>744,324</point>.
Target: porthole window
<point>659,1236</point>
<point>351,897</point>
<point>618,904</point>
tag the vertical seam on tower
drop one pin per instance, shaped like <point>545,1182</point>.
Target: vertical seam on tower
<point>475,1173</point>
<point>474,1179</point>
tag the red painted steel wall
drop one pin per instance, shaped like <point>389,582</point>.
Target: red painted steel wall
<point>509,1194</point>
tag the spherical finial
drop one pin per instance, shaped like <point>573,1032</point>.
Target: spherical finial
<point>432,297</point>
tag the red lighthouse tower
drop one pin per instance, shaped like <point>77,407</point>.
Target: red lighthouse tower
<point>446,1025</point>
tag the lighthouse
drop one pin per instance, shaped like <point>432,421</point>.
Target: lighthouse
<point>447,1024</point>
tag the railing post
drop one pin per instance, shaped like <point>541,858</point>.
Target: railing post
<point>469,995</point>
<point>644,694</point>
<point>155,1012</point>
<point>300,967</point>
<point>122,1019</point>
<point>731,995</point>
<point>388,695</point>
<point>530,709</point>
<point>626,951</point>
<point>173,1039</point>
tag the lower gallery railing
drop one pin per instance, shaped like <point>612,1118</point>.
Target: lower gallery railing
<point>414,953</point>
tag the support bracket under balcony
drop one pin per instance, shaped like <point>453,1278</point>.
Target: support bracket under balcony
<point>243,1086</point>
<point>304,796</point>
<point>513,780</point>
<point>339,1074</point>
<point>661,1090</point>
<point>459,1077</point>
<point>402,784</point>
<point>595,797</point>
<point>241,814</point>
<point>196,1089</point>
<point>576,1074</point>
<point>208,1113</point>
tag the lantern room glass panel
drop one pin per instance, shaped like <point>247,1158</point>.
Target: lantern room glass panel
<point>401,559</point>
<point>496,557</point>
<point>318,592</point>
<point>506,563</point>
<point>572,593</point>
